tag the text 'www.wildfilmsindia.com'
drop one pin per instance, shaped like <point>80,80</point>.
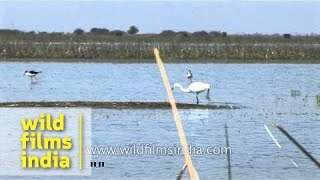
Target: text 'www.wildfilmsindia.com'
<point>154,149</point>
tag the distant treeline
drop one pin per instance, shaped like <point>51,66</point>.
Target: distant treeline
<point>199,46</point>
<point>131,31</point>
<point>104,31</point>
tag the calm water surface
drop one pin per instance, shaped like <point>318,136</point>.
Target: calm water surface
<point>264,89</point>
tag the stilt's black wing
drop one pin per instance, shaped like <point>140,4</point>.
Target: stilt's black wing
<point>35,72</point>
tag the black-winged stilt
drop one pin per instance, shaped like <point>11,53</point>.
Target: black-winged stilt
<point>189,76</point>
<point>32,74</point>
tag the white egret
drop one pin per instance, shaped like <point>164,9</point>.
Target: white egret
<point>196,87</point>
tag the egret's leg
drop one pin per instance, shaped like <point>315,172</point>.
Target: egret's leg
<point>208,94</point>
<point>197,98</point>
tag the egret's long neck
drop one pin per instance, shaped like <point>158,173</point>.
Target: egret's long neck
<point>182,88</point>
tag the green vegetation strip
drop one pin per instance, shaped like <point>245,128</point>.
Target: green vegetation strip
<point>177,48</point>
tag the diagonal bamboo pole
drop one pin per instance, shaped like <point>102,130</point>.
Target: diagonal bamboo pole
<point>279,146</point>
<point>179,177</point>
<point>183,140</point>
<point>295,142</point>
<point>228,154</point>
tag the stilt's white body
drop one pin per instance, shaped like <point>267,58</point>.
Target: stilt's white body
<point>29,74</point>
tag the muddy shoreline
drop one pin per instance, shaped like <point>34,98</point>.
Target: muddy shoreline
<point>120,105</point>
